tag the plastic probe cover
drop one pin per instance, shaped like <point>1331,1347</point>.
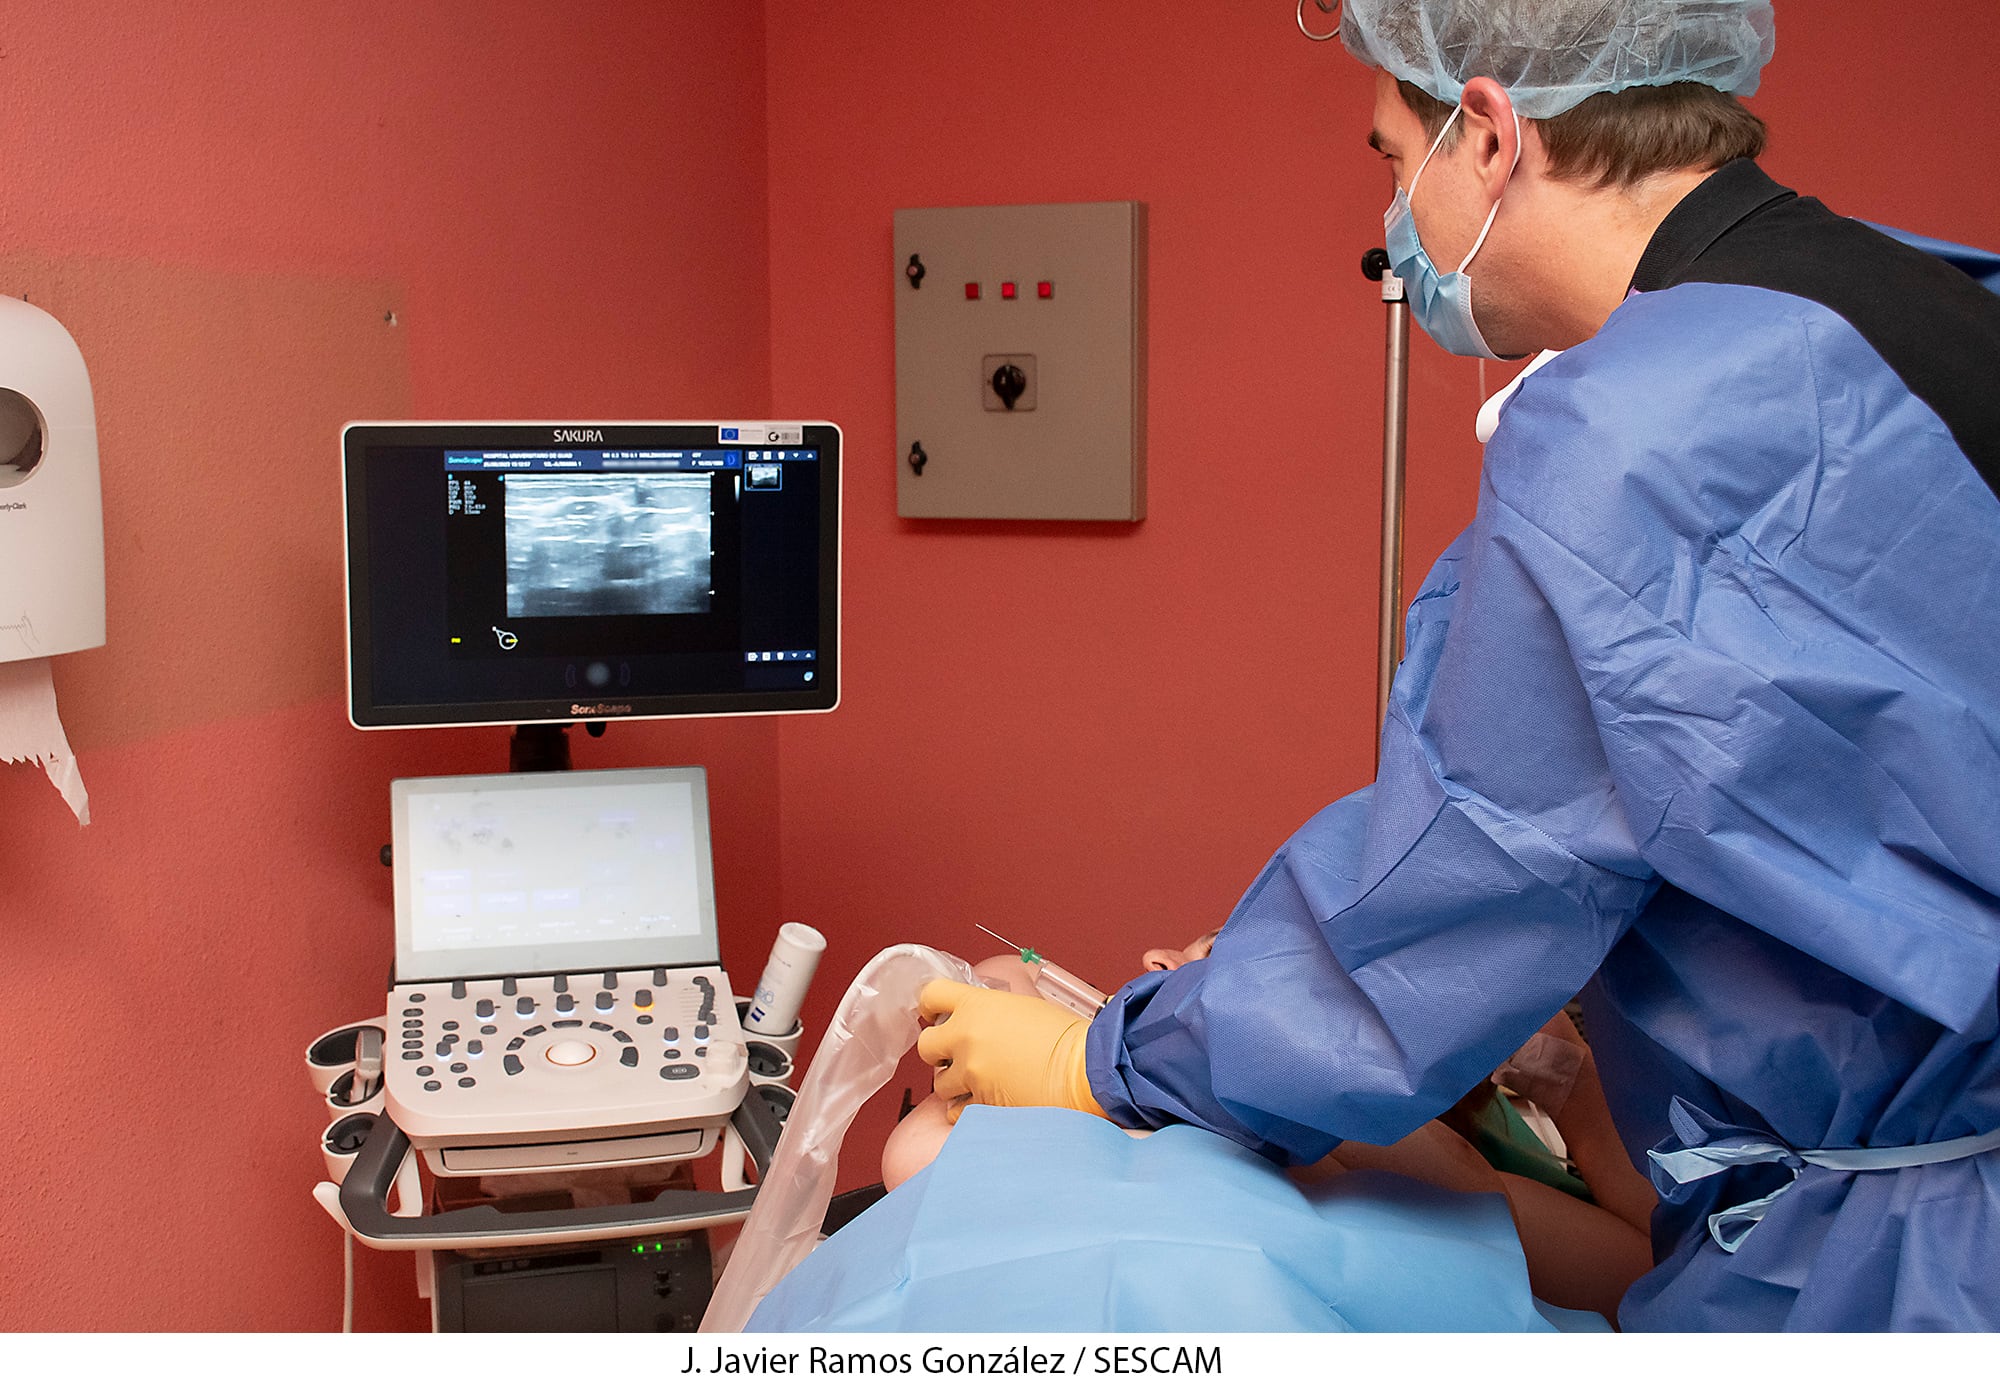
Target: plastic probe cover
<point>874,1026</point>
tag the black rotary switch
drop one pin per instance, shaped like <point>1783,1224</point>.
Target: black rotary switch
<point>918,459</point>
<point>1008,384</point>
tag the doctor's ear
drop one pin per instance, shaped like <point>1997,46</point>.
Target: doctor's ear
<point>1493,130</point>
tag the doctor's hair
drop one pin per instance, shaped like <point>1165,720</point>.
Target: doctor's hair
<point>1615,139</point>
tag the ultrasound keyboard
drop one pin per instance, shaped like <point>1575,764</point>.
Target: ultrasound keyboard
<point>565,1071</point>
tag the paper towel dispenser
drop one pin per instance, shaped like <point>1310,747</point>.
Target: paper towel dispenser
<point>51,504</point>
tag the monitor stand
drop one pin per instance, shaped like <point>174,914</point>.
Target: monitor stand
<point>543,748</point>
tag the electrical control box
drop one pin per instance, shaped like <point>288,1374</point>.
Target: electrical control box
<point>1021,362</point>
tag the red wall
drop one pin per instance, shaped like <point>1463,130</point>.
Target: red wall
<point>1088,736</point>
<point>1091,737</point>
<point>565,209</point>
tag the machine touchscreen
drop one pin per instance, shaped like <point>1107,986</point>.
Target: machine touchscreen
<point>530,874</point>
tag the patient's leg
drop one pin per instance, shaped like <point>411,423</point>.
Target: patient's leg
<point>1433,1153</point>
<point>1579,1255</point>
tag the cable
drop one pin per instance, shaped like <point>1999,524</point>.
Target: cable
<point>347,1298</point>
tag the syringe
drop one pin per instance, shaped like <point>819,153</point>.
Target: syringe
<point>1053,983</point>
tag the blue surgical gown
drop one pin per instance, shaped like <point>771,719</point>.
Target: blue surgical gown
<point>1705,703</point>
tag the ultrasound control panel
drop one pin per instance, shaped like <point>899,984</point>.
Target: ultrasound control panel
<point>567,1070</point>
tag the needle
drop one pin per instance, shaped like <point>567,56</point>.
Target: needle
<point>1009,942</point>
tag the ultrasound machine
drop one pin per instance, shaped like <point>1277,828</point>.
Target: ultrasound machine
<point>560,1041</point>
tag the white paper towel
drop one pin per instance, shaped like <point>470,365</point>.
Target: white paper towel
<point>30,729</point>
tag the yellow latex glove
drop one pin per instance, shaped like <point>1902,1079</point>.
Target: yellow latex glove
<point>1006,1050</point>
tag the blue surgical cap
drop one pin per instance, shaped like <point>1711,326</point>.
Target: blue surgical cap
<point>1552,54</point>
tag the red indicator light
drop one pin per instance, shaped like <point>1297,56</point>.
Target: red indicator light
<point>1046,290</point>
<point>972,290</point>
<point>1006,290</point>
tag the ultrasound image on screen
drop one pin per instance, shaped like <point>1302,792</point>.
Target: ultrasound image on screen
<point>614,544</point>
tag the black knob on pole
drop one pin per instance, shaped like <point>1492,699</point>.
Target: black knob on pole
<point>1375,263</point>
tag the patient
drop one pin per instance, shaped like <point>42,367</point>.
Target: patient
<point>1585,1236</point>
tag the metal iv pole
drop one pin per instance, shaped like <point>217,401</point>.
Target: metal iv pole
<point>1395,417</point>
<point>1375,265</point>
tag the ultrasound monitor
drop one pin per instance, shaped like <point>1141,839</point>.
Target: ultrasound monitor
<point>514,574</point>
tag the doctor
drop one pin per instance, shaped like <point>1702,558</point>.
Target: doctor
<point>1702,710</point>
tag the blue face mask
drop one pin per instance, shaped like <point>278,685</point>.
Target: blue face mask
<point>1442,304</point>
